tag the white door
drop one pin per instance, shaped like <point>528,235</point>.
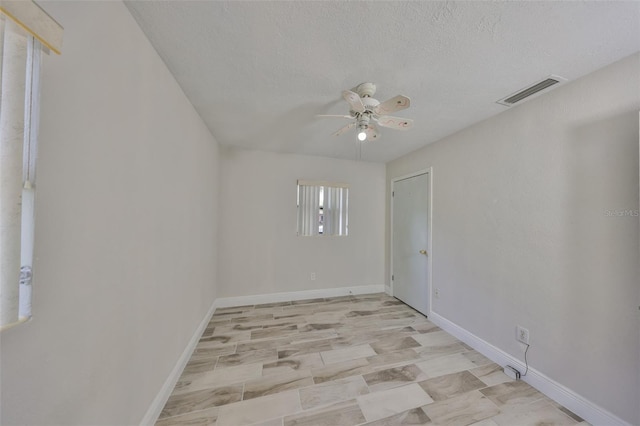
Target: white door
<point>410,241</point>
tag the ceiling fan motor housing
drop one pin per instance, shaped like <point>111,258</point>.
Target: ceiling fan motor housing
<point>363,121</point>
<point>366,89</point>
<point>370,103</point>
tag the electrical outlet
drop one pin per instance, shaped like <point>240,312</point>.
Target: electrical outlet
<point>522,335</point>
<point>436,293</point>
<point>313,276</point>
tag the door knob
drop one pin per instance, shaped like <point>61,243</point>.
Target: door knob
<point>423,252</point>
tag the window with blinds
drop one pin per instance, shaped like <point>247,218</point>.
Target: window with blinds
<point>323,208</point>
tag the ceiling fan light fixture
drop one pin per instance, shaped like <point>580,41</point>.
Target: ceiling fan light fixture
<point>367,113</point>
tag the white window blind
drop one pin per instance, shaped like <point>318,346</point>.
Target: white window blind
<point>23,25</point>
<point>322,208</point>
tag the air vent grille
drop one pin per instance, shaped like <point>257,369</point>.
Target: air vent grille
<point>535,89</point>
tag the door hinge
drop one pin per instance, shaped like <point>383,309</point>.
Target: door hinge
<point>393,193</point>
<point>392,277</point>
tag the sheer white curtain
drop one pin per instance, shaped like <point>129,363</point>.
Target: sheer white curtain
<point>23,25</point>
<point>335,210</point>
<point>308,209</point>
<point>12,119</point>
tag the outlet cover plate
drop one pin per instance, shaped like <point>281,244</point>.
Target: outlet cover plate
<point>522,335</point>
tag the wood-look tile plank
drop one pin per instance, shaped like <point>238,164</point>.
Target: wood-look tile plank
<point>461,410</point>
<point>274,332</point>
<point>390,345</point>
<point>316,326</point>
<point>450,385</point>
<point>426,327</point>
<point>394,377</point>
<point>218,377</point>
<point>477,358</point>
<point>304,348</point>
<point>206,417</point>
<point>542,412</point>
<point>347,354</point>
<point>223,339</point>
<point>233,328</point>
<point>248,357</point>
<point>445,365</point>
<point>415,416</point>
<point>259,409</point>
<point>202,399</point>
<point>340,370</point>
<point>491,374</point>
<point>347,413</point>
<point>431,352</point>
<point>512,395</point>
<point>435,338</point>
<point>379,405</point>
<point>269,385</point>
<point>393,359</point>
<point>254,345</point>
<point>212,352</point>
<point>332,392</point>
<point>199,365</point>
<point>294,363</point>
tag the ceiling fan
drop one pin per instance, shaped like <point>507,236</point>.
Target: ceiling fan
<point>368,113</point>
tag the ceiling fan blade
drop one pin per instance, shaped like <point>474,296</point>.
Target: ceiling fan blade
<point>344,129</point>
<point>372,133</point>
<point>395,122</point>
<point>339,116</point>
<point>354,100</point>
<point>394,104</point>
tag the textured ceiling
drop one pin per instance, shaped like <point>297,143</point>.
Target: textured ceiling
<point>259,72</point>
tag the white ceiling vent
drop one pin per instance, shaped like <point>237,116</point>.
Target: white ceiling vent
<point>533,90</point>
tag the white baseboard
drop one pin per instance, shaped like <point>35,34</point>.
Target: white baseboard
<point>387,289</point>
<point>161,398</point>
<point>225,302</point>
<point>589,411</point>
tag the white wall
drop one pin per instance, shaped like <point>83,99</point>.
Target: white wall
<point>125,232</point>
<point>259,251</point>
<point>521,233</point>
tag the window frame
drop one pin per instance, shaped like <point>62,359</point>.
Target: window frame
<point>322,208</point>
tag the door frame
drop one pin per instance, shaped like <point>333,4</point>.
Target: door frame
<point>428,171</point>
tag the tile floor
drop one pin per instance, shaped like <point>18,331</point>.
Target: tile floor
<point>349,360</point>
